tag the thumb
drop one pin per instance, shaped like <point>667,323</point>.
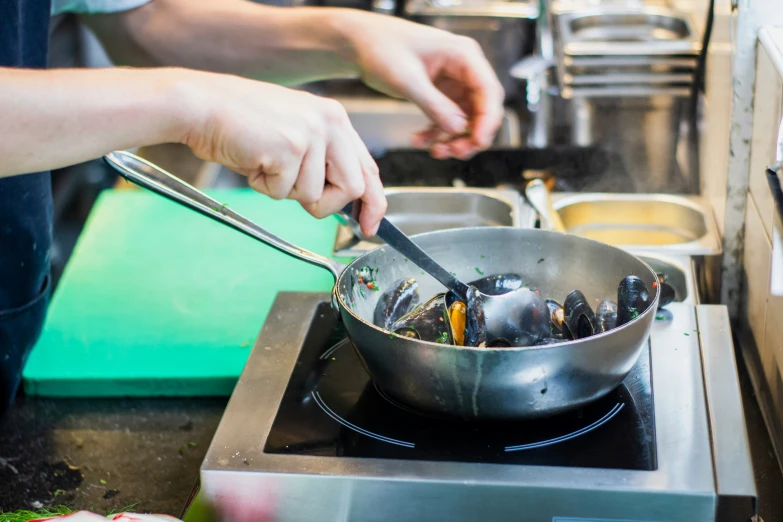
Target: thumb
<point>443,112</point>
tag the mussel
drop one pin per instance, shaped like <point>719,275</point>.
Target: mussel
<point>558,327</point>
<point>395,302</point>
<point>579,317</point>
<point>498,284</point>
<point>456,318</point>
<point>667,292</point>
<point>632,299</point>
<point>475,322</point>
<point>606,316</point>
<point>426,321</point>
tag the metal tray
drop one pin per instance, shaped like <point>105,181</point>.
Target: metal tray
<point>682,225</point>
<point>626,31</point>
<point>416,210</point>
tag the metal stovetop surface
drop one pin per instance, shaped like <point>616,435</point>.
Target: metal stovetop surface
<point>703,464</point>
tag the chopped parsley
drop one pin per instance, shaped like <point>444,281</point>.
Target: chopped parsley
<point>659,318</point>
<point>540,260</point>
<point>478,271</point>
<point>443,338</point>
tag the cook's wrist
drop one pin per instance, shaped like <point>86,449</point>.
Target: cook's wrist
<point>342,27</point>
<point>185,104</point>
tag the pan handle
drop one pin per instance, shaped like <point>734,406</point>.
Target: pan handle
<point>150,176</point>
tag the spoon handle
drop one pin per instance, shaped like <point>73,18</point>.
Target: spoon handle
<point>399,241</point>
<point>150,176</point>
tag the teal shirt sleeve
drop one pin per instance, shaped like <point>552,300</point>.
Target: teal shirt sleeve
<point>94,6</point>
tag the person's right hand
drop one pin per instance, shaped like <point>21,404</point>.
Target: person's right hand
<point>290,144</point>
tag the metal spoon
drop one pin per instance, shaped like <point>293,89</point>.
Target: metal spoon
<point>499,311</point>
<point>538,196</point>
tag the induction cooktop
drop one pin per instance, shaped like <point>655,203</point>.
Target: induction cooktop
<point>331,408</point>
<point>308,436</point>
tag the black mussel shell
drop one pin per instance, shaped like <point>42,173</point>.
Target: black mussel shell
<point>407,331</point>
<point>395,302</point>
<point>475,323</point>
<point>499,343</point>
<point>667,296</point>
<point>428,320</point>
<point>606,316</point>
<point>492,285</point>
<point>579,317</point>
<point>498,284</point>
<point>558,326</point>
<point>632,299</point>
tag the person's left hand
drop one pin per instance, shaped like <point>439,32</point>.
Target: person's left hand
<point>446,75</point>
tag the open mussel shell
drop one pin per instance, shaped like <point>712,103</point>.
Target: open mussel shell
<point>456,319</point>
<point>475,322</point>
<point>668,294</point>
<point>606,316</point>
<point>395,302</point>
<point>498,284</point>
<point>579,317</point>
<point>632,299</point>
<point>427,320</point>
<point>558,327</point>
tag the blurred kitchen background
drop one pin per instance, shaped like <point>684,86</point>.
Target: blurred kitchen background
<point>602,96</point>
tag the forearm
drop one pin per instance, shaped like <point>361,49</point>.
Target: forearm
<point>280,45</point>
<point>56,118</point>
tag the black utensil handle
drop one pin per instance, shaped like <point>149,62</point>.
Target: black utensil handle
<point>397,239</point>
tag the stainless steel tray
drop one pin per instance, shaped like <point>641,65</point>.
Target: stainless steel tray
<point>617,31</point>
<point>682,225</point>
<point>416,210</point>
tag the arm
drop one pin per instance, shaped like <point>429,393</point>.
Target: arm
<point>290,144</point>
<point>446,75</point>
<point>280,45</point>
<point>62,117</point>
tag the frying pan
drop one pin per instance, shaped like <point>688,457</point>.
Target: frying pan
<point>470,383</point>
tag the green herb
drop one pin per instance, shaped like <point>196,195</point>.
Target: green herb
<point>181,450</point>
<point>23,515</point>
<point>443,338</point>
<point>392,335</point>
<point>406,259</point>
<point>659,318</point>
<point>478,271</point>
<point>483,256</point>
<point>214,209</point>
<point>361,291</point>
<point>453,273</point>
<point>223,208</point>
<point>687,334</point>
<point>58,492</point>
<point>192,444</point>
<point>103,482</point>
<point>540,260</point>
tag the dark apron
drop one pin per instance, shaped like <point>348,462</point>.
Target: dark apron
<point>25,211</point>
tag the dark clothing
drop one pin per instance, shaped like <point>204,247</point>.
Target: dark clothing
<point>25,211</point>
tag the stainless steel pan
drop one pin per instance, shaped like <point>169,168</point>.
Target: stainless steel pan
<point>471,383</point>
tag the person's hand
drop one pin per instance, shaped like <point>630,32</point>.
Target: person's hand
<point>290,144</point>
<point>446,75</point>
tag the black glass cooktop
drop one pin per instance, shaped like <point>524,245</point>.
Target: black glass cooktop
<point>331,408</point>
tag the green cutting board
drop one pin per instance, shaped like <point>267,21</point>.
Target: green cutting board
<point>158,300</point>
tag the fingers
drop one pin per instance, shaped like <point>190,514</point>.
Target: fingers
<point>443,111</point>
<point>309,186</point>
<point>486,96</point>
<point>374,203</point>
<point>344,176</point>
